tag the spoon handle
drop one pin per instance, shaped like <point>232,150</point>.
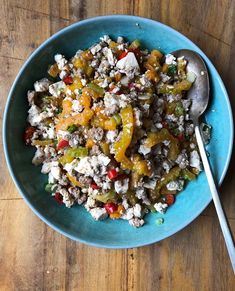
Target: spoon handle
<point>222,219</point>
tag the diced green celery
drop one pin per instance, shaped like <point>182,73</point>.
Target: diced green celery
<point>132,199</point>
<point>173,174</point>
<point>77,152</point>
<point>96,88</point>
<point>135,44</point>
<point>109,196</point>
<point>151,208</point>
<point>188,175</point>
<point>89,71</point>
<point>117,118</point>
<point>73,153</point>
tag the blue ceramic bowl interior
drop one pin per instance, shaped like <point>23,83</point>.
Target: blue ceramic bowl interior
<point>76,223</point>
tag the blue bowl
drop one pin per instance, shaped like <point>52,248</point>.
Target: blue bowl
<point>76,223</point>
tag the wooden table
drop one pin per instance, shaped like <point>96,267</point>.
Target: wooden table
<point>32,255</point>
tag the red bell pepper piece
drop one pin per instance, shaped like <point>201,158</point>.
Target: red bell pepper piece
<point>68,80</point>
<point>28,134</point>
<point>62,144</point>
<point>170,199</point>
<point>122,55</point>
<point>112,174</point>
<point>94,186</point>
<point>111,207</point>
<point>58,197</point>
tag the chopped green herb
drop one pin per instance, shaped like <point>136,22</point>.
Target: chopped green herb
<point>175,131</point>
<point>79,91</point>
<point>72,128</point>
<point>50,188</point>
<point>53,79</point>
<point>172,70</point>
<point>179,109</point>
<point>58,110</point>
<point>160,221</point>
<point>46,100</point>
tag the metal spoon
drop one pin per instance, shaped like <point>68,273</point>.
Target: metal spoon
<point>199,94</point>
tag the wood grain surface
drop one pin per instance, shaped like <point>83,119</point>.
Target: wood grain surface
<point>32,255</point>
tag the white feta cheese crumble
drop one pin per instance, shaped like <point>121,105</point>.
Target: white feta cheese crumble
<point>138,116</point>
<point>175,185</point>
<point>160,207</point>
<point>137,211</point>
<point>166,166</point>
<point>76,106</point>
<point>195,160</point>
<point>106,39</point>
<point>56,172</point>
<point>144,150</point>
<point>49,133</point>
<point>151,184</point>
<point>164,77</point>
<point>63,74</point>
<point>98,213</point>
<point>68,200</point>
<point>109,55</point>
<point>171,117</point>
<point>70,166</point>
<point>93,165</point>
<point>83,81</point>
<point>90,203</point>
<point>38,157</point>
<point>170,59</point>
<point>120,39</point>
<point>128,214</point>
<point>123,100</point>
<point>136,222</point>
<point>125,81</point>
<point>51,179</point>
<point>111,135</point>
<point>57,88</point>
<point>34,115</point>
<point>140,192</point>
<point>121,186</point>
<point>111,103</point>
<point>41,85</point>
<point>46,167</point>
<point>128,63</point>
<point>182,160</point>
<point>96,48</point>
<point>61,61</point>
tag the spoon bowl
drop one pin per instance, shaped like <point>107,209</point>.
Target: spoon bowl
<point>200,91</point>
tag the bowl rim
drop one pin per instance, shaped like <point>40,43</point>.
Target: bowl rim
<point>10,97</point>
